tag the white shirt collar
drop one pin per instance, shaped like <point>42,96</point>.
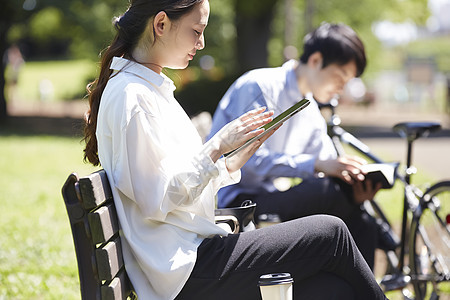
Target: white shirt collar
<point>129,66</point>
<point>291,82</point>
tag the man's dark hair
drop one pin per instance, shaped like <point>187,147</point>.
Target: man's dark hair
<point>337,43</point>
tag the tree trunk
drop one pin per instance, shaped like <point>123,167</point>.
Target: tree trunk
<point>309,15</point>
<point>253,32</point>
<point>3,109</point>
<point>6,20</point>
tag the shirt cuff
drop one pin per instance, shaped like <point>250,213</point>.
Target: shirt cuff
<point>305,167</point>
<point>226,177</point>
<point>207,166</point>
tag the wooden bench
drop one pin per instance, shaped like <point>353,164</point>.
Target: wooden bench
<point>95,231</point>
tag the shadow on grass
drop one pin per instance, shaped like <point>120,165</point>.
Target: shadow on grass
<point>387,132</point>
<point>41,125</point>
<point>73,127</point>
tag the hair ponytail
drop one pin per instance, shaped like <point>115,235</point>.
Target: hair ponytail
<point>130,27</point>
<point>121,46</point>
<point>95,90</point>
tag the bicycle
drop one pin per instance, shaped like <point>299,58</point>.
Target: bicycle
<point>419,261</point>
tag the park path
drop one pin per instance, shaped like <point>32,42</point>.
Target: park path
<point>374,126</point>
<point>371,124</point>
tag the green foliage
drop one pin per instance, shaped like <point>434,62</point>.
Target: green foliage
<point>37,257</point>
<point>400,11</point>
<point>84,26</point>
<point>361,15</point>
<point>16,32</point>
<point>220,38</point>
<point>93,31</point>
<point>88,33</point>
<point>47,24</point>
<point>254,8</point>
<point>393,58</point>
<point>436,47</point>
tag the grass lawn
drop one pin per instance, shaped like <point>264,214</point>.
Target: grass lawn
<point>65,79</point>
<point>37,258</point>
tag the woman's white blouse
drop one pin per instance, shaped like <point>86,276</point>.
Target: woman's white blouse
<point>163,181</point>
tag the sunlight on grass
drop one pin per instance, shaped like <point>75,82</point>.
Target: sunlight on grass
<point>391,202</point>
<point>37,258</point>
<point>68,79</point>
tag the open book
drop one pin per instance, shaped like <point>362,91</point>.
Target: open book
<point>383,172</point>
<point>288,113</point>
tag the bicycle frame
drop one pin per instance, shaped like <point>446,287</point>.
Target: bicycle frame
<point>412,194</point>
<point>415,203</point>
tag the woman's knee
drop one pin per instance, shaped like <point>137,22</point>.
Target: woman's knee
<point>328,223</point>
<point>330,229</point>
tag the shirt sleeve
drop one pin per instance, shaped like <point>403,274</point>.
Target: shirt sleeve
<point>241,97</point>
<point>156,179</point>
<point>267,163</point>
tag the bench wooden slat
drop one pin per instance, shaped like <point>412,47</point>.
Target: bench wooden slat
<point>109,259</point>
<point>95,190</point>
<point>118,288</point>
<point>103,223</point>
<point>95,228</point>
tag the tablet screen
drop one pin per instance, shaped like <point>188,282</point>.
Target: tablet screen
<point>288,113</point>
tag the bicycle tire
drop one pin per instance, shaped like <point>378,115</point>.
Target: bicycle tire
<point>429,248</point>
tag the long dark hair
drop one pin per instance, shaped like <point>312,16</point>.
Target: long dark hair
<point>130,27</point>
<point>337,43</point>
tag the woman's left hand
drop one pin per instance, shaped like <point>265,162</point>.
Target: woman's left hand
<point>238,160</point>
<point>238,131</point>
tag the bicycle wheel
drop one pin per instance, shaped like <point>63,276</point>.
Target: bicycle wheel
<point>429,251</point>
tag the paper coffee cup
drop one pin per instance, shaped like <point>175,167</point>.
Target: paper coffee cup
<point>276,286</point>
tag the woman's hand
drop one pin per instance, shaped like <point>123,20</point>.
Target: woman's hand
<point>238,131</point>
<point>238,160</point>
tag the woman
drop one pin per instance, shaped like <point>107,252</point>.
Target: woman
<point>164,180</point>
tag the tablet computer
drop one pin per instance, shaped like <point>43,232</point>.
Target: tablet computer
<point>288,113</point>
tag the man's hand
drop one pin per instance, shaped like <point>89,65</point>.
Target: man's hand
<point>363,191</point>
<point>348,168</point>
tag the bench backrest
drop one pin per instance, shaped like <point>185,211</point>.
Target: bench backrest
<point>95,231</point>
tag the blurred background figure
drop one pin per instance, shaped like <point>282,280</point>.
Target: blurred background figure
<point>14,62</point>
<point>332,56</point>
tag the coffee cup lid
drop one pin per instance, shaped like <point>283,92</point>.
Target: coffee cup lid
<point>275,278</point>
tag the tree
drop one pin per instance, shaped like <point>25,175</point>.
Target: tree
<point>253,20</point>
<point>242,35</point>
<point>10,12</point>
<point>56,28</point>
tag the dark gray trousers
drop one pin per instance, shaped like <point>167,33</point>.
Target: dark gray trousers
<point>318,251</point>
<point>313,196</point>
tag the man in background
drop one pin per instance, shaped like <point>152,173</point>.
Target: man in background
<point>332,55</point>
